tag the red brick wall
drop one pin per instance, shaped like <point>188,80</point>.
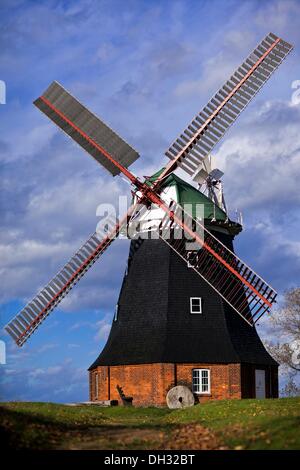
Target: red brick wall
<point>103,383</point>
<point>148,384</point>
<point>224,379</point>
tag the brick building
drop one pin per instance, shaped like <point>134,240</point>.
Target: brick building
<point>171,327</point>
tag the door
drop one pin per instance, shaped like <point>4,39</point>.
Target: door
<point>260,383</point>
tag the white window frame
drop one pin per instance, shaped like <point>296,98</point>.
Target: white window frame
<point>198,382</point>
<point>190,265</point>
<point>191,305</point>
<point>96,386</point>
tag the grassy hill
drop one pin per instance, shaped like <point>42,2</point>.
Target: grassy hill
<point>234,424</point>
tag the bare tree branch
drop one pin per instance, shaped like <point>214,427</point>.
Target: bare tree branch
<point>286,323</point>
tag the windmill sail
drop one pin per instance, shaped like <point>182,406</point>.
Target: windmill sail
<point>246,292</point>
<point>85,128</point>
<point>36,311</point>
<point>209,126</point>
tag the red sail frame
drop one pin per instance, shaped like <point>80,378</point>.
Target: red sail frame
<point>148,194</point>
<point>243,289</point>
<point>34,313</point>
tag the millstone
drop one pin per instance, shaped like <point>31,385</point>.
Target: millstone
<point>180,397</point>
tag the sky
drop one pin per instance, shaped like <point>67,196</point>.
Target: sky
<point>146,68</point>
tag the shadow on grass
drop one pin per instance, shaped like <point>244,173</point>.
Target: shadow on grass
<point>22,430</point>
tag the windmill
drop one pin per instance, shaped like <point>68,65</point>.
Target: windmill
<point>243,291</point>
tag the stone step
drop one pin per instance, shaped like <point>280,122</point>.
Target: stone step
<point>95,403</point>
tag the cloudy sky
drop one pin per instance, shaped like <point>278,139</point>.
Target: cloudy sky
<point>145,67</point>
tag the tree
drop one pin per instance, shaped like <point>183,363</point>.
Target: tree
<point>286,350</point>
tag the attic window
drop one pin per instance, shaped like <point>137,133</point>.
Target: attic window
<point>192,257</point>
<point>195,305</point>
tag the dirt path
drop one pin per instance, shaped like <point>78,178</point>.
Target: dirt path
<point>193,436</point>
<point>183,437</point>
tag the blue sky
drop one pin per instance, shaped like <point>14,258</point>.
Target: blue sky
<point>145,67</point>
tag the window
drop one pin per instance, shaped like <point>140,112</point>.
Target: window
<point>195,305</point>
<point>192,258</point>
<point>116,312</point>
<point>96,386</point>
<point>201,381</point>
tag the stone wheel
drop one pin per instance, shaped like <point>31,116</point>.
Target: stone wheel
<point>180,397</point>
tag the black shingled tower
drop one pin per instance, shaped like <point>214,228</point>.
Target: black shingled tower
<point>153,322</point>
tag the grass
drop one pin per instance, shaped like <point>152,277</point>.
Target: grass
<point>236,424</point>
<point>250,424</point>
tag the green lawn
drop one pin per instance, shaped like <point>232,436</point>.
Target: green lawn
<point>251,424</point>
<point>234,424</point>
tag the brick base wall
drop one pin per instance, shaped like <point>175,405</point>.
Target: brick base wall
<point>148,384</point>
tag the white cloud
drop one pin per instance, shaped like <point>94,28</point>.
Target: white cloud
<point>106,51</point>
<point>30,251</point>
<point>65,382</point>
<point>103,327</point>
<point>281,14</point>
<point>47,347</point>
<point>218,67</point>
<point>262,160</point>
<point>146,72</point>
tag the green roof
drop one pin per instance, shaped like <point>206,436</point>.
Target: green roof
<point>187,194</point>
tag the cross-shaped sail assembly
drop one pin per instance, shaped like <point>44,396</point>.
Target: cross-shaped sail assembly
<point>246,292</point>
